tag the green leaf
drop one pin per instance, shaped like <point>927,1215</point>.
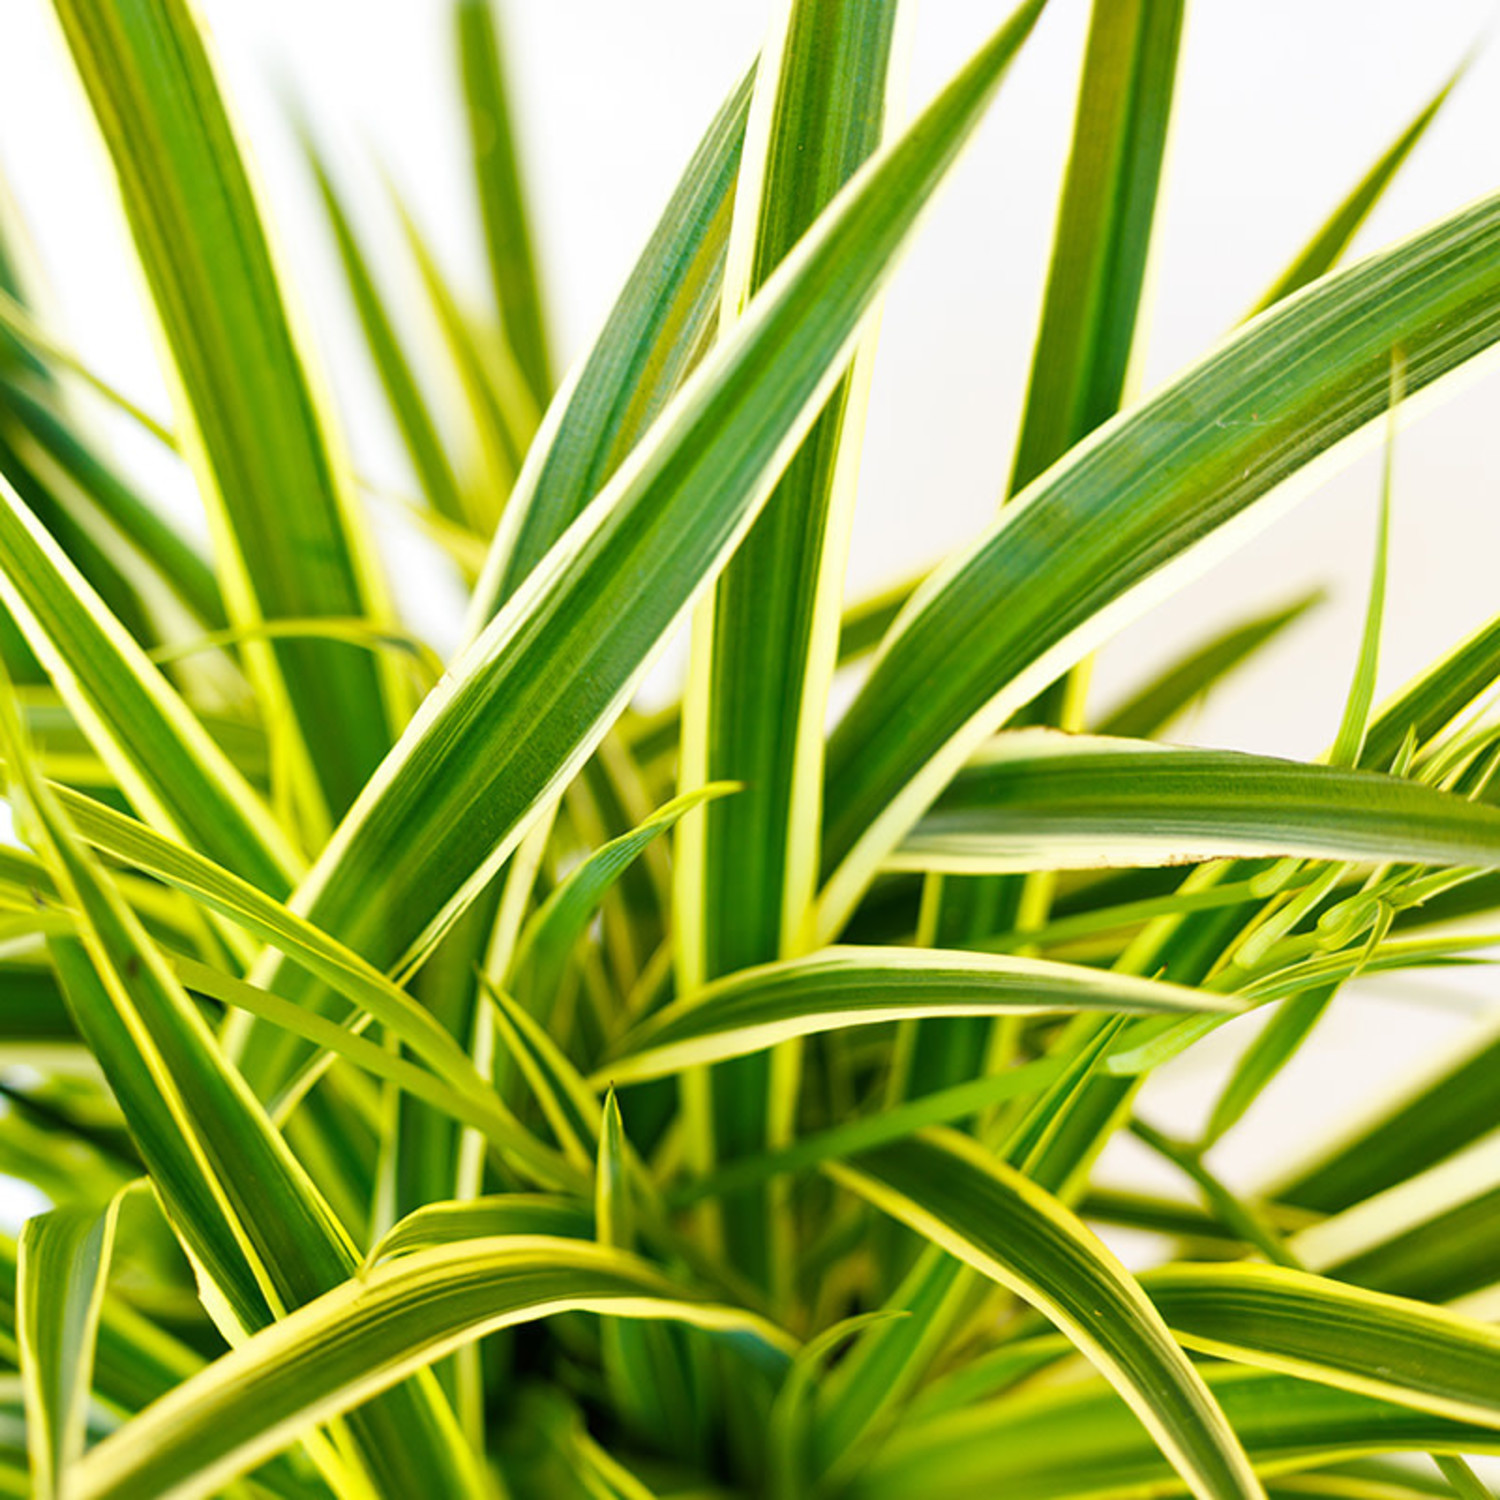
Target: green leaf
<point>850,986</point>
<point>1156,705</point>
<point>1439,1114</point>
<point>764,640</point>
<point>279,926</point>
<point>1145,503</point>
<point>1432,1235</point>
<point>1349,742</point>
<point>158,752</point>
<point>656,331</point>
<point>1303,1325</point>
<point>500,407</point>
<point>1079,372</point>
<point>502,203</point>
<point>1082,1441</point>
<point>550,933</point>
<point>525,705</point>
<point>51,442</point>
<point>1327,246</point>
<point>63,1264</point>
<point>503,1214</point>
<point>1036,799</point>
<point>243,1204</point>
<point>1264,1058</point>
<point>403,393</point>
<point>289,541</point>
<point>364,1336</point>
<point>948,1189</point>
<point>570,1106</point>
<point>1103,235</point>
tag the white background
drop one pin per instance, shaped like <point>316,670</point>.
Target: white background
<point>1282,106</point>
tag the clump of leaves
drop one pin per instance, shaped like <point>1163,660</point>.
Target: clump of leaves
<point>451,1080</point>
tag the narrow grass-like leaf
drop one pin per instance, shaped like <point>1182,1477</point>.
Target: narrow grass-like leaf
<point>655,332</point>
<point>1303,1325</point>
<point>876,1129</point>
<point>1079,370</point>
<point>848,986</point>
<point>1035,799</point>
<point>288,538</point>
<point>1332,238</point>
<point>551,932</point>
<point>1150,499</point>
<point>529,700</point>
<point>51,443</point>
<point>503,1214</point>
<point>1103,235</point>
<point>1434,1235</point>
<point>1155,706</point>
<point>367,1334</point>
<point>1083,1441</point>
<point>992,1218</point>
<point>403,393</point>
<point>243,1203</point>
<point>1348,743</point>
<point>1439,1115</point>
<point>502,203</point>
<point>474,1105</point>
<point>276,924</point>
<point>63,1264</point>
<point>571,1108</point>
<point>501,411</point>
<point>160,754</point>
<point>764,640</point>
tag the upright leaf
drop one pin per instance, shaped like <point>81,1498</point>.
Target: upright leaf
<point>63,1263</point>
<point>525,705</point>
<point>502,202</point>
<point>764,641</point>
<point>1154,496</point>
<point>1103,236</point>
<point>288,538</point>
<point>655,332</point>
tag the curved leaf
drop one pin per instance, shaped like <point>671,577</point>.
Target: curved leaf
<point>1304,1325</point>
<point>61,1272</point>
<point>364,1336</point>
<point>1084,1441</point>
<point>1129,514</point>
<point>289,540</point>
<point>1036,799</point>
<point>948,1189</point>
<point>849,986</point>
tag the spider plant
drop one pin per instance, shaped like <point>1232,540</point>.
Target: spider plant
<point>449,1078</point>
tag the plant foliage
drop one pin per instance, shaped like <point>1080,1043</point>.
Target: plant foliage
<point>450,1078</point>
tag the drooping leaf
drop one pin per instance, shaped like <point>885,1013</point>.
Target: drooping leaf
<point>947,1188</point>
<point>364,1336</point>
<point>1153,497</point>
<point>1390,1347</point>
<point>849,986</point>
<point>1035,799</point>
